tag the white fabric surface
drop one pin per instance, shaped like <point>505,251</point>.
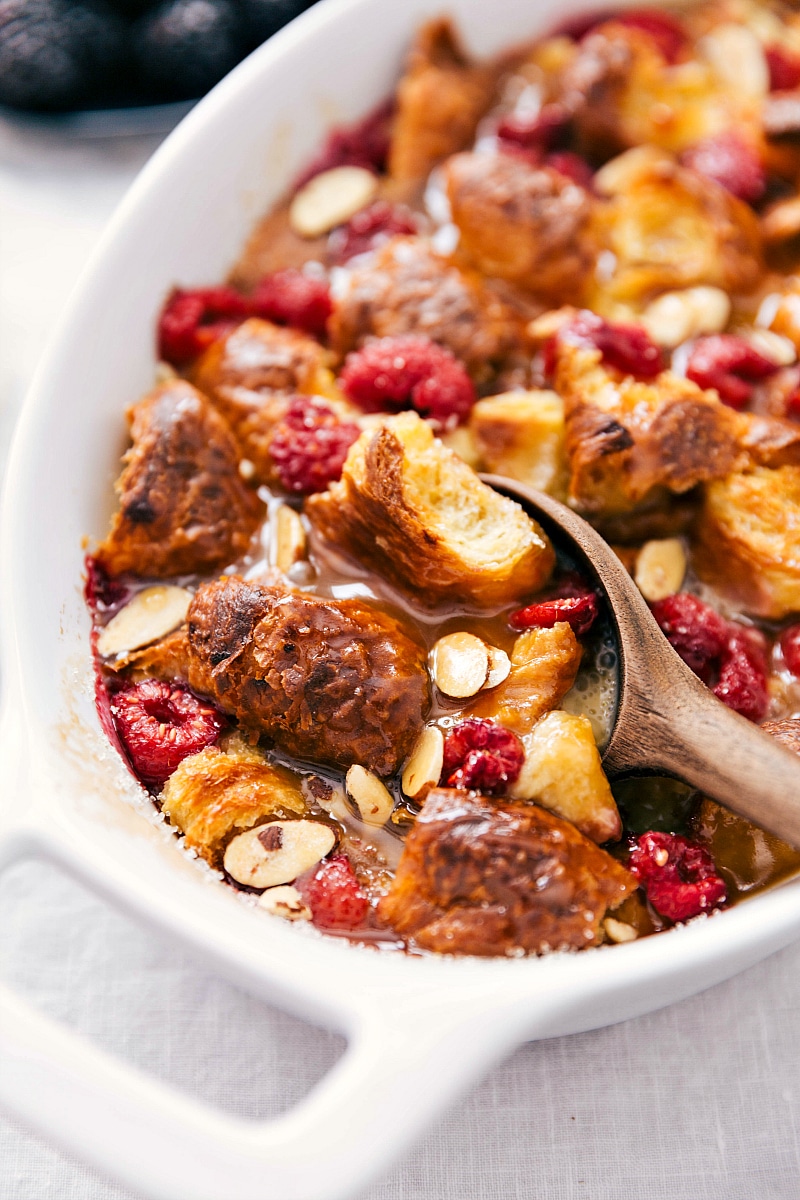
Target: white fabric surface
<point>701,1099</point>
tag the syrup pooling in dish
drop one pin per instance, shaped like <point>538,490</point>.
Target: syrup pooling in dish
<point>359,683</point>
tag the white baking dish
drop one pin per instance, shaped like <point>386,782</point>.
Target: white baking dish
<point>419,1029</point>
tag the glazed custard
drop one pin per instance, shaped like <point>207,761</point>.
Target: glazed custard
<point>361,684</point>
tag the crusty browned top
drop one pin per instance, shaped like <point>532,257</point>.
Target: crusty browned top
<point>332,681</point>
<point>183,507</point>
<point>490,877</point>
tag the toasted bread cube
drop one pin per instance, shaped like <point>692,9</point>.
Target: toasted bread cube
<point>544,663</point>
<point>627,438</point>
<point>749,540</point>
<point>439,102</point>
<point>562,772</point>
<point>673,229</point>
<point>218,793</point>
<point>416,513</point>
<point>521,435</point>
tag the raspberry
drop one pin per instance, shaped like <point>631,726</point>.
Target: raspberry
<point>481,755</point>
<point>626,347</point>
<point>572,165</point>
<point>664,29</point>
<point>160,724</point>
<point>729,364</point>
<point>191,321</point>
<point>309,445</point>
<point>101,592</point>
<point>292,297</point>
<point>678,876</point>
<point>731,162</point>
<point>580,612</point>
<point>541,130</point>
<point>742,683</point>
<point>789,642</point>
<point>394,372</point>
<point>369,229</point>
<point>363,144</point>
<point>784,69</point>
<point>334,895</point>
<point>695,630</point>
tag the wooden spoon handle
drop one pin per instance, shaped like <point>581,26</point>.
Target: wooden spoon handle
<point>698,739</point>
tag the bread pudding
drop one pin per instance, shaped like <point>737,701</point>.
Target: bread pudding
<point>360,684</point>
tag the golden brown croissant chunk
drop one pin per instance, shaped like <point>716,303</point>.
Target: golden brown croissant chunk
<point>183,507</point>
<point>420,516</point>
<point>440,99</point>
<point>333,681</point>
<point>626,437</point>
<point>562,772</point>
<point>490,877</point>
<point>525,224</point>
<point>672,229</point>
<point>748,542</point>
<point>521,435</point>
<point>250,376</point>
<point>787,732</point>
<point>217,793</point>
<point>544,664</point>
<point>405,287</point>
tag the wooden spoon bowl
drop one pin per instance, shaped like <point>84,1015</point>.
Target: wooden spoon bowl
<point>667,721</point>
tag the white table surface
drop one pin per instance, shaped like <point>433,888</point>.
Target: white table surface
<point>701,1099</point>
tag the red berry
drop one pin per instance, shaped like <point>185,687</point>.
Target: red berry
<point>729,364</point>
<point>731,162</point>
<point>101,592</point>
<point>784,69</point>
<point>191,321</point>
<point>334,895</point>
<point>626,347</point>
<point>665,30</point>
<point>363,144</point>
<point>309,445</point>
<point>695,630</point>
<point>580,612</point>
<point>536,130</point>
<point>789,642</point>
<point>394,373</point>
<point>369,229</point>
<point>572,165</point>
<point>160,724</point>
<point>294,298</point>
<point>742,682</point>
<point>481,755</point>
<point>678,876</point>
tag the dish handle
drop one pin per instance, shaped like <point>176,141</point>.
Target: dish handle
<point>401,1068</point>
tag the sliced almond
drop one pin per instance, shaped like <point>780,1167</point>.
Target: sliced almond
<point>424,767</point>
<point>278,852</point>
<point>330,199</point>
<point>373,799</point>
<point>285,902</point>
<point>247,470</point>
<point>150,615</point>
<point>674,317</point>
<point>660,568</point>
<point>781,221</point>
<point>499,667</point>
<point>618,931</point>
<point>290,538</point>
<point>773,346</point>
<point>460,665</point>
<point>620,173</point>
<point>737,58</point>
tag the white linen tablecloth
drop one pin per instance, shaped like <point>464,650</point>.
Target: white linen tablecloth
<point>701,1099</point>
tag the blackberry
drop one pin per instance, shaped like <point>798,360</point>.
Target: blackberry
<point>183,47</point>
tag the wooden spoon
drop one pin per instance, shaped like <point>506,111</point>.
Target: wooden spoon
<point>667,721</point>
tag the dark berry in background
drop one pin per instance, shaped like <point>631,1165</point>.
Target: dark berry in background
<point>183,47</point>
<point>131,8</point>
<point>265,17</point>
<point>55,54</point>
